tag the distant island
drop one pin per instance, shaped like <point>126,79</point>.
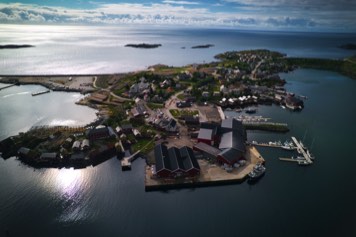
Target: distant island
<point>204,46</point>
<point>348,46</point>
<point>144,46</point>
<point>16,46</point>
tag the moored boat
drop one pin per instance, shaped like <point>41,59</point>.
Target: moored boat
<point>250,110</point>
<point>257,172</point>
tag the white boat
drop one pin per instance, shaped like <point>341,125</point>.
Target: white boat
<point>310,155</point>
<point>303,162</point>
<point>288,146</point>
<point>283,107</point>
<point>257,172</point>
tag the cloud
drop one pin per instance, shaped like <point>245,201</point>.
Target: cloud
<point>180,2</point>
<point>336,5</point>
<point>169,13</point>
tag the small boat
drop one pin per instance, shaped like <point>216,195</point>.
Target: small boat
<point>238,110</point>
<point>310,155</point>
<point>257,172</point>
<point>288,146</point>
<point>303,162</point>
<point>283,107</point>
<point>251,110</point>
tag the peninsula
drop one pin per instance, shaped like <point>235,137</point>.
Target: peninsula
<point>175,111</point>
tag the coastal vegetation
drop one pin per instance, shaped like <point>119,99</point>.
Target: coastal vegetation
<point>203,46</point>
<point>143,46</point>
<point>346,67</point>
<point>184,112</point>
<point>348,46</point>
<point>16,46</point>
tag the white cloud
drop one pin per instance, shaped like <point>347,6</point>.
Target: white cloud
<point>180,2</point>
<point>172,14</point>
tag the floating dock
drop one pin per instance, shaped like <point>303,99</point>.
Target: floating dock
<point>301,150</point>
<point>40,92</point>
<point>5,87</point>
<point>126,161</point>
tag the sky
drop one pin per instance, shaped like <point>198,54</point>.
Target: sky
<point>288,15</point>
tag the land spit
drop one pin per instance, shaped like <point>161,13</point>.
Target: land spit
<point>210,174</point>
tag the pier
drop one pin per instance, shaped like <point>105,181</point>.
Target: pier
<point>5,87</point>
<point>301,150</point>
<point>288,159</point>
<point>126,161</point>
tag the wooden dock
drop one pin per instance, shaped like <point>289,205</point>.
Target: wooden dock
<point>266,145</point>
<point>2,88</point>
<point>288,159</point>
<point>126,161</point>
<point>301,150</point>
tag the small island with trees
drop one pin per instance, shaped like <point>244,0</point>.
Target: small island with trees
<point>143,46</point>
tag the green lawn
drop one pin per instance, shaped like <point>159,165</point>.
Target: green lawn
<point>155,106</point>
<point>145,145</point>
<point>177,113</point>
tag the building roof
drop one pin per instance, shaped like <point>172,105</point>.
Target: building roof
<point>206,134</point>
<point>188,158</point>
<point>23,151</point>
<point>207,149</point>
<point>230,124</point>
<point>52,155</point>
<point>126,126</point>
<point>76,144</point>
<point>234,140</point>
<point>174,159</point>
<point>231,154</point>
<point>85,142</point>
<point>172,123</point>
<point>161,156</point>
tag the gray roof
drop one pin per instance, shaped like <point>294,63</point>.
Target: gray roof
<point>230,124</point>
<point>23,151</point>
<point>161,156</point>
<point>231,154</point>
<point>234,140</point>
<point>206,133</point>
<point>188,158</point>
<point>173,159</point>
<point>52,155</point>
<point>207,148</point>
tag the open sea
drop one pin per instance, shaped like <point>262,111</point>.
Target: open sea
<point>290,200</point>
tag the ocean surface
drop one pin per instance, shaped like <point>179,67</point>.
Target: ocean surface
<point>98,50</point>
<point>290,200</point>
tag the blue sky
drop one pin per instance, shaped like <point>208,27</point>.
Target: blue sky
<point>291,15</point>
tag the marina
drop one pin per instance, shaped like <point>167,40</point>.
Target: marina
<point>305,158</point>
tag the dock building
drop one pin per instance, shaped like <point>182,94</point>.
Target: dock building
<point>229,139</point>
<point>175,162</point>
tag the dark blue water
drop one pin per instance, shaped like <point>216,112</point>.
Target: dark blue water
<point>288,201</point>
<point>103,201</point>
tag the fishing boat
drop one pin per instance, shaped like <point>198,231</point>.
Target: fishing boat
<point>257,172</point>
<point>303,162</point>
<point>288,146</point>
